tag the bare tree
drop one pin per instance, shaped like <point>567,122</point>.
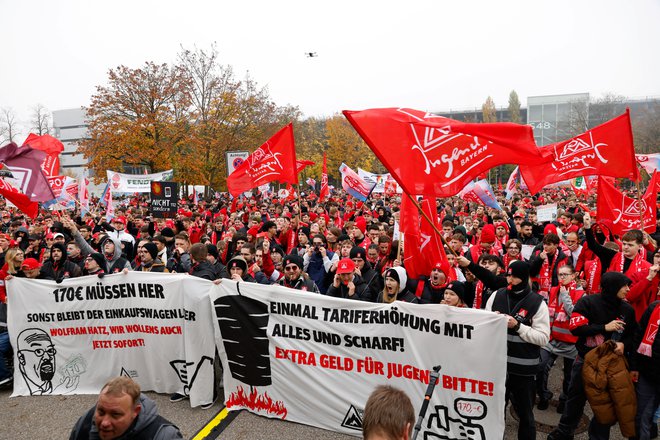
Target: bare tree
<point>40,120</point>
<point>586,115</point>
<point>8,126</point>
<point>646,128</point>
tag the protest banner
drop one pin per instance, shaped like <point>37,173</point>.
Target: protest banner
<point>140,183</point>
<point>70,338</point>
<point>546,213</point>
<point>164,199</point>
<point>312,359</point>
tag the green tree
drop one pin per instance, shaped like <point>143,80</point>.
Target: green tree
<point>514,107</point>
<point>489,111</point>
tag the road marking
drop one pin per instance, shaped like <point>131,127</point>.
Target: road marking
<point>216,425</point>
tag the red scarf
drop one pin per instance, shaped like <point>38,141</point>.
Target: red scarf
<point>638,264</point>
<point>478,295</point>
<point>508,259</point>
<point>646,347</point>
<point>544,277</point>
<point>592,272</point>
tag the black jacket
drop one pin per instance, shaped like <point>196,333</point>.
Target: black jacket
<point>205,270</point>
<point>592,312</point>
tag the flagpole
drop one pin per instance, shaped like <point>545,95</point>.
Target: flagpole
<point>435,228</point>
<point>399,248</point>
<point>299,207</point>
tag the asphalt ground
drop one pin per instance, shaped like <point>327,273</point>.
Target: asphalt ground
<point>52,417</point>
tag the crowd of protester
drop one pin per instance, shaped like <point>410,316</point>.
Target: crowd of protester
<point>578,284</point>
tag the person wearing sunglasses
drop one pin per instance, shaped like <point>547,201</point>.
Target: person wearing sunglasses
<point>294,277</point>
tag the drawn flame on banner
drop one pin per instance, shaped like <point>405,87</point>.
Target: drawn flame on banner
<point>257,402</point>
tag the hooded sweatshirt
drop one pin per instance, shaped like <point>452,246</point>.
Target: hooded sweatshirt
<point>147,425</point>
<point>58,270</point>
<point>593,312</point>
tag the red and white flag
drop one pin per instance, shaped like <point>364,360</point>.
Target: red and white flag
<point>436,156</point>
<point>274,160</point>
<point>83,194</point>
<point>606,150</point>
<point>302,164</point>
<point>424,249</point>
<point>52,147</point>
<point>20,200</point>
<point>625,212</point>
<point>324,180</point>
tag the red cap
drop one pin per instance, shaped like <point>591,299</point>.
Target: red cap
<point>30,263</point>
<point>121,220</point>
<point>346,265</point>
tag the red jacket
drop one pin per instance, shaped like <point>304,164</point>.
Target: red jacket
<point>642,292</point>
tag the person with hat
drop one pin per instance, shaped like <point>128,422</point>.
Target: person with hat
<point>395,287</point>
<point>528,330</point>
<point>596,320</point>
<point>31,268</point>
<point>454,294</point>
<point>95,264</point>
<point>149,261</point>
<point>35,248</point>
<point>294,277</point>
<point>486,244</point>
<point>238,270</point>
<point>344,282</point>
<point>372,280</point>
<point>431,289</point>
<point>58,267</point>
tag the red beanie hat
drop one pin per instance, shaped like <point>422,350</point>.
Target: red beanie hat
<point>488,234</point>
<point>550,228</point>
<point>361,223</point>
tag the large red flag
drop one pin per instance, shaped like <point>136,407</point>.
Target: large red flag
<point>424,249</point>
<point>52,147</point>
<point>626,212</point>
<point>274,160</point>
<point>324,180</point>
<point>606,150</point>
<point>436,156</point>
<point>20,200</point>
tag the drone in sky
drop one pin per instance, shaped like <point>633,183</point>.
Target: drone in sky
<point>311,54</point>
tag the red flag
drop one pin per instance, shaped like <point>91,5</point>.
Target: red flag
<point>606,150</point>
<point>25,164</point>
<point>436,156</point>
<point>424,251</point>
<point>52,147</point>
<point>274,160</point>
<point>22,202</point>
<point>302,164</point>
<point>625,211</point>
<point>391,186</point>
<point>324,180</point>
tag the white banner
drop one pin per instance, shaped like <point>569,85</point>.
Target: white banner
<point>379,179</point>
<point>131,183</point>
<point>71,338</point>
<point>312,359</point>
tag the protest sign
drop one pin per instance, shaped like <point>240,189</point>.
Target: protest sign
<point>313,359</point>
<point>379,179</point>
<point>546,213</point>
<point>140,183</point>
<point>164,199</point>
<point>235,159</point>
<point>70,338</point>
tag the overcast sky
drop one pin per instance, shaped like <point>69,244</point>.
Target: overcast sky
<point>430,55</point>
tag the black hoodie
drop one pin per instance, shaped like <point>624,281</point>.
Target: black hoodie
<point>593,312</point>
<point>58,270</point>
